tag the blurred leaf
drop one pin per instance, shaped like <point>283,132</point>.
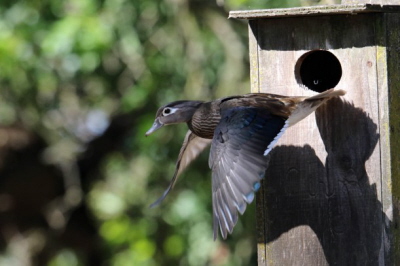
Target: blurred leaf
<point>174,246</point>
<point>86,78</point>
<point>65,258</point>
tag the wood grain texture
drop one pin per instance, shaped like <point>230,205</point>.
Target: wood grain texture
<point>333,179</point>
<point>392,178</point>
<point>253,54</point>
<point>375,2</point>
<point>348,8</point>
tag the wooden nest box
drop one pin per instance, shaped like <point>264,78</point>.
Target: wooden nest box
<point>331,194</point>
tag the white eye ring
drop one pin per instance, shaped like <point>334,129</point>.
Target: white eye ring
<point>169,111</point>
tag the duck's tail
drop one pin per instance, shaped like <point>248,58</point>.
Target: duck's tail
<point>326,95</point>
<point>310,104</point>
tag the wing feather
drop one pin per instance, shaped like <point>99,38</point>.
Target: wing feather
<point>191,148</point>
<point>237,161</point>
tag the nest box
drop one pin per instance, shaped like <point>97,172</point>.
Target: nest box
<point>332,191</point>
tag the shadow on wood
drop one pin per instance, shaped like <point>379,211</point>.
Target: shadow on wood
<point>334,198</point>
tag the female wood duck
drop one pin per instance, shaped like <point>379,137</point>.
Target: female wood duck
<point>242,130</point>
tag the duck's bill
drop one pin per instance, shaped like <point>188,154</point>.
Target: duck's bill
<point>156,125</point>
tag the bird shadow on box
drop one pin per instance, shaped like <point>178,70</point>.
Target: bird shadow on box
<point>336,199</point>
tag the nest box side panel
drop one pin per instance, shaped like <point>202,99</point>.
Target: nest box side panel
<point>321,198</point>
<point>389,62</point>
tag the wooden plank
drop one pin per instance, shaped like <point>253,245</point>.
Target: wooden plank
<point>384,132</point>
<point>378,2</point>
<point>392,176</point>
<point>323,176</point>
<point>254,82</point>
<point>253,54</point>
<point>348,9</point>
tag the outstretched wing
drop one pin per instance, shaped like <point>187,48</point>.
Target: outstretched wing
<point>191,148</point>
<point>237,161</point>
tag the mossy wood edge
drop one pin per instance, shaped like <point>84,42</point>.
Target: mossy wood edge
<point>314,11</point>
<point>393,130</point>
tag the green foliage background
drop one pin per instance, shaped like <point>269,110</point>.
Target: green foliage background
<point>86,78</point>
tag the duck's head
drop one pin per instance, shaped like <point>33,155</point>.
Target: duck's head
<point>174,113</point>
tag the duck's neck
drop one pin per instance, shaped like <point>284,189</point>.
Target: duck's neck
<point>205,120</point>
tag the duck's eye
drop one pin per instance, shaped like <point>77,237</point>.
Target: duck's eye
<point>168,111</point>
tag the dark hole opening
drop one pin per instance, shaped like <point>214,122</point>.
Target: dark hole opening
<point>318,70</point>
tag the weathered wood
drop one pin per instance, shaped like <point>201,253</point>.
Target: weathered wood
<point>350,8</point>
<point>331,195</point>
<point>379,2</point>
<point>253,54</point>
<point>392,129</point>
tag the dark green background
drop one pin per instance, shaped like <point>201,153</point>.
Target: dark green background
<point>80,82</point>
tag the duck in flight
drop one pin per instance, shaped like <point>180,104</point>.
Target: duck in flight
<point>242,130</point>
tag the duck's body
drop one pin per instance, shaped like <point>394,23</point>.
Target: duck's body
<point>242,130</point>
<point>208,115</point>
